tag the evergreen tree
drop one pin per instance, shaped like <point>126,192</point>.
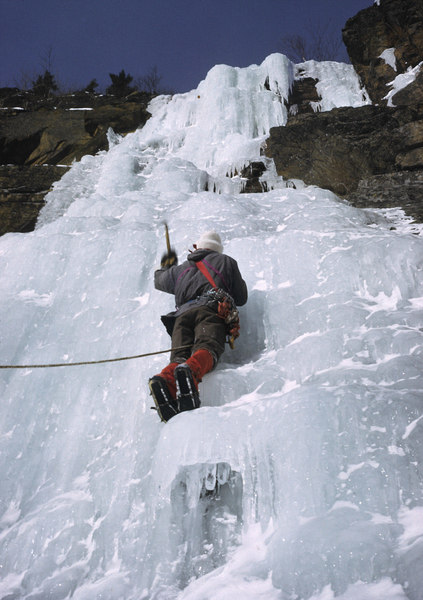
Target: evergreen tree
<point>44,85</point>
<point>90,89</point>
<point>120,84</point>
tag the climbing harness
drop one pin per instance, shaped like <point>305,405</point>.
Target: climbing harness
<point>91,362</point>
<point>226,308</point>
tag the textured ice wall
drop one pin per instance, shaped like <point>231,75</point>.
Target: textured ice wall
<point>311,427</point>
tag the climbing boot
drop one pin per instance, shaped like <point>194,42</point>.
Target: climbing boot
<point>163,390</point>
<point>166,406</point>
<point>188,375</point>
<point>187,394</point>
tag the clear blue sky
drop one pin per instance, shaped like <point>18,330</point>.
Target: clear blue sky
<point>182,38</point>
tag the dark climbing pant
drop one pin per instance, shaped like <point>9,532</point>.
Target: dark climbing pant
<point>198,327</point>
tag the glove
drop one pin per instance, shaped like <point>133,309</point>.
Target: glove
<point>169,260</point>
<point>234,330</point>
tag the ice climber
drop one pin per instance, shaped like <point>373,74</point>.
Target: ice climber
<point>207,287</point>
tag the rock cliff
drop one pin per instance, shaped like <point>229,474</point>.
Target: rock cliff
<point>22,191</point>
<point>384,41</point>
<point>40,139</point>
<point>371,155</point>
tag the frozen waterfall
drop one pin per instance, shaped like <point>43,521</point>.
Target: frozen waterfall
<point>301,476</point>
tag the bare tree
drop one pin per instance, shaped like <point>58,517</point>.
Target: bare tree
<point>25,81</point>
<point>47,59</point>
<point>295,47</point>
<point>43,78</point>
<point>319,42</point>
<point>151,83</point>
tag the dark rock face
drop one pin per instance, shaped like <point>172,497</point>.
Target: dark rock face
<point>391,24</point>
<point>252,173</point>
<point>349,150</point>
<point>302,94</point>
<point>336,149</point>
<point>390,190</point>
<point>412,95</point>
<point>22,191</point>
<point>53,136</point>
<point>35,136</point>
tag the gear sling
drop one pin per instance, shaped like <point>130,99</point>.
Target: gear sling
<point>226,308</point>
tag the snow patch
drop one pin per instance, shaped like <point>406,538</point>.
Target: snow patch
<point>401,81</point>
<point>388,56</point>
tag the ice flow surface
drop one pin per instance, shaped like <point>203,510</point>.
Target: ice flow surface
<point>301,474</point>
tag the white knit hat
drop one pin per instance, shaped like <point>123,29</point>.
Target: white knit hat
<point>210,240</point>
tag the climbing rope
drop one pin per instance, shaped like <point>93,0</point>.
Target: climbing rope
<point>91,362</point>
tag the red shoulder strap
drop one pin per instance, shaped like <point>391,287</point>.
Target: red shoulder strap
<point>206,274</point>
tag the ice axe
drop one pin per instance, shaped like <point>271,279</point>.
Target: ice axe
<point>170,258</point>
<point>167,237</point>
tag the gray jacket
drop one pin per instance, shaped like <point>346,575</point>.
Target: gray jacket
<point>189,285</point>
